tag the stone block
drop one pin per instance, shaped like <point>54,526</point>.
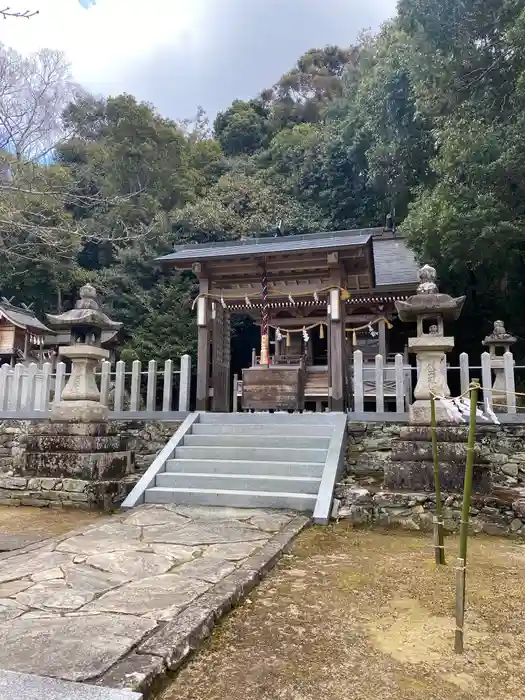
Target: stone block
<point>518,507</point>
<point>510,469</point>
<point>75,443</point>
<point>177,639</point>
<point>136,672</point>
<point>419,476</point>
<point>422,433</point>
<point>405,450</point>
<point>77,485</point>
<point>31,687</point>
<point>13,482</point>
<point>92,429</point>
<point>227,593</point>
<point>496,458</point>
<point>81,465</point>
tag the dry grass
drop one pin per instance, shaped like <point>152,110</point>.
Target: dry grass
<point>353,614</point>
<point>42,522</point>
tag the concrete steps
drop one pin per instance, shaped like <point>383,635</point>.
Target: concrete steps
<point>247,453</point>
<point>243,440</point>
<point>238,466</point>
<point>247,460</point>
<point>239,482</point>
<point>261,429</point>
<point>235,499</point>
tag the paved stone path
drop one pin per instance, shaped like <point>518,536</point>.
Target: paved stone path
<point>118,603</point>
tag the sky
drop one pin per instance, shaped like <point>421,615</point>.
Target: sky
<point>179,54</point>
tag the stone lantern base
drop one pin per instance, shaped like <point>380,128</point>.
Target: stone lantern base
<point>93,455</point>
<point>411,466</point>
<point>79,411</point>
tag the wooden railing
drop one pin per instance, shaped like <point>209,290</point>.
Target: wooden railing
<point>388,388</point>
<point>137,390</point>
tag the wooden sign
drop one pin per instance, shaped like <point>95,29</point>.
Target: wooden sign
<point>277,388</point>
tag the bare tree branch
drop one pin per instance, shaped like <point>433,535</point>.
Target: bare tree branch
<point>34,92</point>
<point>26,14</point>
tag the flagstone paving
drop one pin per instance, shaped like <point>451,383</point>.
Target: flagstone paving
<point>126,598</point>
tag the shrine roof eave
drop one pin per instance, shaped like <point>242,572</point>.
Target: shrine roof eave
<point>184,256</point>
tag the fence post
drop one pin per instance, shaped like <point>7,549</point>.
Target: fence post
<point>45,387</point>
<point>400,388</point>
<point>464,374</point>
<point>135,386</point>
<point>31,387</point>
<point>486,380</point>
<point>234,393</point>
<point>185,383</point>
<point>151,389</point>
<point>104,382</point>
<point>60,380</point>
<point>380,388</point>
<point>120,370</point>
<point>359,398</point>
<point>510,387</point>
<point>17,386</point>
<point>167,389</point>
<point>4,386</point>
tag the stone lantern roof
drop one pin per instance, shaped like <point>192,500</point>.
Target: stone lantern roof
<point>87,312</point>
<point>428,300</point>
<point>499,336</point>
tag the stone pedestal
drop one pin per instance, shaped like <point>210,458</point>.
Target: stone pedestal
<point>80,399</point>
<point>93,457</point>
<point>411,467</point>
<point>432,376</point>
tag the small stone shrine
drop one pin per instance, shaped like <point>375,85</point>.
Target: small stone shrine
<point>498,343</point>
<point>411,465</point>
<point>78,442</point>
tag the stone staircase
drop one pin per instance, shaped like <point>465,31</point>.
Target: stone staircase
<point>246,460</point>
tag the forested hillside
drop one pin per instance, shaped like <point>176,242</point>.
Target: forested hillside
<point>425,118</point>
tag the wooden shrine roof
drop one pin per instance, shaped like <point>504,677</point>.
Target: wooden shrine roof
<point>394,264</point>
<point>332,240</point>
<point>22,318</point>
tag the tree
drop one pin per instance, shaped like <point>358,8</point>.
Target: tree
<point>240,205</point>
<point>34,91</point>
<point>242,128</point>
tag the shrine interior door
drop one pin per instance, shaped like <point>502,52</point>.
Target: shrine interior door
<point>221,358</point>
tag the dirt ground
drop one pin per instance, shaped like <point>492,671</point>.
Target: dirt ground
<point>39,523</point>
<point>355,614</point>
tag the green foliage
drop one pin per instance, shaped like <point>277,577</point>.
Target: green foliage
<point>242,128</point>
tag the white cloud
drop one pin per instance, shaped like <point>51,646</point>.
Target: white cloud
<point>178,54</point>
<point>107,39</point>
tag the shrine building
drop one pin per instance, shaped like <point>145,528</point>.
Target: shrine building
<point>316,297</point>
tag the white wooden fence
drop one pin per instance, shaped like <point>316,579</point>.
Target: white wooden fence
<point>387,388</point>
<point>143,390</point>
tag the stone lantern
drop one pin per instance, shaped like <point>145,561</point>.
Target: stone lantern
<point>80,399</point>
<point>429,309</point>
<point>499,342</point>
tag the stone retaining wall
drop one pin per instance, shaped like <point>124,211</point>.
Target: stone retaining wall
<point>144,440</point>
<point>501,512</point>
<point>502,446</point>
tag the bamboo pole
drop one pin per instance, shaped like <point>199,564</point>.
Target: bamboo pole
<point>461,570</point>
<point>439,540</point>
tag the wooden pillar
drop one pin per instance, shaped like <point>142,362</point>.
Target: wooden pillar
<point>381,328</point>
<point>337,399</point>
<point>337,336</point>
<point>203,348</point>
